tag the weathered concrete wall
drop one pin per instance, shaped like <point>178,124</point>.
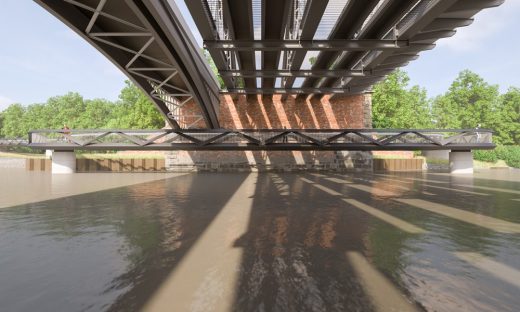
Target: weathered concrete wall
<point>270,112</point>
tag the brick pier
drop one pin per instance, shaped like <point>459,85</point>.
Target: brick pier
<point>271,112</point>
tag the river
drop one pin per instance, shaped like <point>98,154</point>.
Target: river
<point>259,242</point>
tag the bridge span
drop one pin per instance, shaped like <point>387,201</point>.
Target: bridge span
<point>263,139</point>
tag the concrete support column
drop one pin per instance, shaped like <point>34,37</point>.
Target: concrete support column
<point>461,162</point>
<point>63,162</point>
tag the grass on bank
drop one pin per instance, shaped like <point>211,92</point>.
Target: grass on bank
<point>21,155</point>
<point>88,155</point>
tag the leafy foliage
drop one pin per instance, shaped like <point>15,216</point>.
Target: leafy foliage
<point>12,125</point>
<point>395,105</point>
<point>485,155</point>
<point>213,67</point>
<point>508,126</point>
<point>470,101</point>
<point>133,111</point>
<point>509,153</point>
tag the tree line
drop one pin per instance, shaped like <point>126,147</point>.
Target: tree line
<point>469,102</point>
<point>133,110</point>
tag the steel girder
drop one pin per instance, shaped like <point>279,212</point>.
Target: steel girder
<point>360,40</point>
<point>263,139</point>
<point>150,42</point>
<point>424,23</point>
<point>310,45</point>
<point>307,90</point>
<point>302,73</point>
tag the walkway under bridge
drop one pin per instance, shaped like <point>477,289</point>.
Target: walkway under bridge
<point>262,139</point>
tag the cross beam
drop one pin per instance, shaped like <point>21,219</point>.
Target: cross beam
<point>303,73</point>
<point>309,90</point>
<point>308,45</point>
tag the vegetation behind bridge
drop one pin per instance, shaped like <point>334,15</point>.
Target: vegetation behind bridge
<point>469,102</point>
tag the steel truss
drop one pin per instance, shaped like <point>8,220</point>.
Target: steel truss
<point>263,139</point>
<point>127,38</point>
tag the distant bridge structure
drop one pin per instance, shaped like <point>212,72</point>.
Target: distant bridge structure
<point>262,139</point>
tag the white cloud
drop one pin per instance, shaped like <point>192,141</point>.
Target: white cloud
<point>487,24</point>
<point>4,102</point>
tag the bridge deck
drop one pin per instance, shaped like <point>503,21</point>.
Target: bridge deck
<point>260,139</point>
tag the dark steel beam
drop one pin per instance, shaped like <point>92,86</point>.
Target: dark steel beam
<point>424,14</point>
<point>302,73</point>
<point>309,45</point>
<point>380,24</point>
<point>349,23</point>
<point>433,36</point>
<point>312,15</point>
<point>440,24</point>
<point>306,90</point>
<point>208,31</point>
<point>75,19</point>
<point>165,19</point>
<point>474,5</point>
<point>275,15</point>
<point>241,15</point>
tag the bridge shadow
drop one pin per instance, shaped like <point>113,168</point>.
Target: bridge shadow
<point>276,245</point>
<point>242,242</point>
<point>150,227</point>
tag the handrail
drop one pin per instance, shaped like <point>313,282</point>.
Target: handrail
<point>263,139</point>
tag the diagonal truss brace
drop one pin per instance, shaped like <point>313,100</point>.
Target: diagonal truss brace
<point>173,101</point>
<point>263,139</point>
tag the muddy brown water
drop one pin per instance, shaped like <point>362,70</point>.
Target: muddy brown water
<point>260,242</point>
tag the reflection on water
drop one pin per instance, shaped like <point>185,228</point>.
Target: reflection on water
<point>266,242</point>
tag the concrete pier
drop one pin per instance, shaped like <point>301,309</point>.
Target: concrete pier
<point>461,162</point>
<point>63,162</point>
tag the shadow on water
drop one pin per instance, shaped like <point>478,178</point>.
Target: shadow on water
<point>304,251</point>
<point>181,209</point>
<point>305,242</point>
<point>149,227</point>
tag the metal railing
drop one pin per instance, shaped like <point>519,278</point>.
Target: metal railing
<point>13,142</point>
<point>263,139</point>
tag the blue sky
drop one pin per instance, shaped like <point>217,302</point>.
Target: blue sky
<point>40,57</point>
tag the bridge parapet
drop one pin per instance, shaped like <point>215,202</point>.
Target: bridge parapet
<point>263,139</point>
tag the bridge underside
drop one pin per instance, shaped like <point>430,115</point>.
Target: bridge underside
<point>263,139</point>
<point>265,46</point>
<point>150,42</point>
<point>259,46</point>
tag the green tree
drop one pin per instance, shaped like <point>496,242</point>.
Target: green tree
<point>470,101</point>
<point>135,110</point>
<point>213,67</point>
<point>65,109</point>
<point>396,105</point>
<point>13,124</point>
<point>97,114</point>
<point>508,129</point>
<point>1,124</point>
<point>39,116</point>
